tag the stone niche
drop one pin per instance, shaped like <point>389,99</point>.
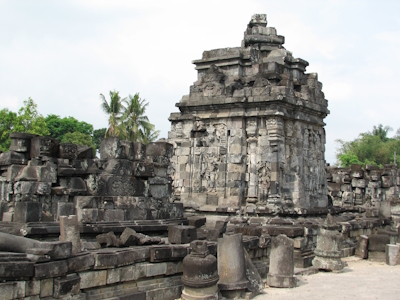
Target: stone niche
<point>251,131</point>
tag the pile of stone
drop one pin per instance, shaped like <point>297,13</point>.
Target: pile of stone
<point>359,186</point>
<point>41,180</point>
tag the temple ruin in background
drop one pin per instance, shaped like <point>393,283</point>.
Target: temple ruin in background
<point>251,131</point>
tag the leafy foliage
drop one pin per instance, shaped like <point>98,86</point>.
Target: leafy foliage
<point>370,148</point>
<point>28,119</point>
<point>7,121</point>
<point>59,127</point>
<point>114,110</point>
<point>127,118</point>
<point>78,138</point>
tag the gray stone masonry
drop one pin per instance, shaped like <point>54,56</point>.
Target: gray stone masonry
<point>251,131</point>
<point>42,180</point>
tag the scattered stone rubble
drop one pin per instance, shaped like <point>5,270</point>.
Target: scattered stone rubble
<point>251,132</point>
<point>246,160</point>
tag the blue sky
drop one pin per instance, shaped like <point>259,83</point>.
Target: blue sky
<point>63,54</point>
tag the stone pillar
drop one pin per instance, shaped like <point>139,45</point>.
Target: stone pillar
<point>200,273</point>
<point>384,209</point>
<point>362,247</point>
<point>281,266</point>
<point>231,266</point>
<point>329,247</point>
<point>252,193</point>
<point>276,142</point>
<point>392,252</point>
<point>69,232</point>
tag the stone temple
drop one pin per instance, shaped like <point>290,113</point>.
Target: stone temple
<point>251,131</point>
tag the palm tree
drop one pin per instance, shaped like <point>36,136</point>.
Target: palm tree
<point>136,122</point>
<point>381,131</point>
<point>149,135</point>
<point>114,110</point>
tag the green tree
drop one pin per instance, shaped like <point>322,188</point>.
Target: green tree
<point>59,127</point>
<point>114,110</point>
<point>78,138</point>
<point>381,132</point>
<point>7,121</point>
<point>135,120</point>
<point>369,148</point>
<point>30,120</point>
<point>149,135</point>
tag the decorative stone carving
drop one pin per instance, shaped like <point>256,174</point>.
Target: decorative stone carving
<point>200,273</point>
<point>258,93</point>
<point>329,247</point>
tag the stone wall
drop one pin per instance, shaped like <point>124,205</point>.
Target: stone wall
<point>368,186</point>
<point>251,131</point>
<point>41,180</point>
<point>140,272</point>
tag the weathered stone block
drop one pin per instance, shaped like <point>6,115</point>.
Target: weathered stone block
<point>113,275</point>
<point>88,215</point>
<point>392,252</point>
<point>21,141</point>
<point>44,146</point>
<point>160,191</point>
<point>128,151</point>
<point>13,171</point>
<point>46,287</point>
<point>197,221</point>
<point>362,247</point>
<point>139,151</point>
<point>27,212</point>
<point>81,262</point>
<point>68,151</point>
<point>65,209</point>
<point>120,167</point>
<point>181,234</point>
<point>156,269</point>
<point>377,242</point>
<point>66,285</point>
<point>111,148</point>
<point>69,231</point>
<point>16,269</point>
<point>143,169</point>
<point>51,269</point>
<point>11,157</point>
<point>125,257</point>
<point>32,288</point>
<point>159,149</point>
<point>105,260</point>
<point>93,279</point>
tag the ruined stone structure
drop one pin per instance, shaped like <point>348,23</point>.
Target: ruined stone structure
<point>368,186</point>
<point>251,131</point>
<point>41,180</point>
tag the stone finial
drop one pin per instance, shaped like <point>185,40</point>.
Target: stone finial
<point>330,223</point>
<point>258,20</point>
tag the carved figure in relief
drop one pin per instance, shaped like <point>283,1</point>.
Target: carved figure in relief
<point>264,181</point>
<point>211,175</point>
<point>306,139</point>
<point>178,130</point>
<point>289,128</point>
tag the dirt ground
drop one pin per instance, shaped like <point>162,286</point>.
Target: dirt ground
<point>361,279</point>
